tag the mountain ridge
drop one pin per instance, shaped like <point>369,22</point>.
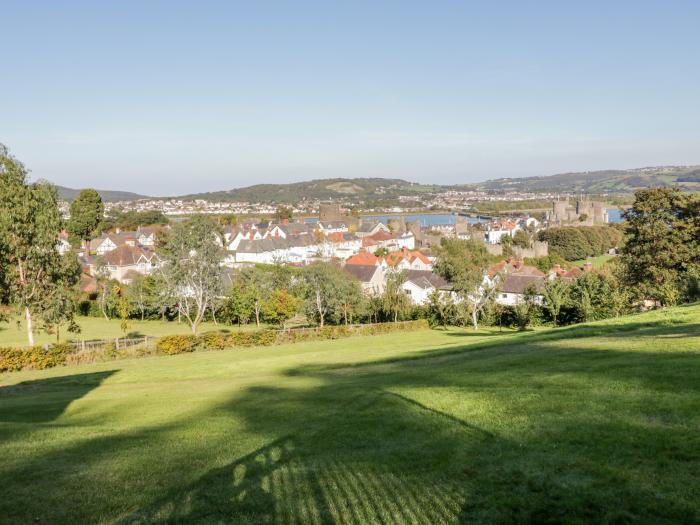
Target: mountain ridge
<point>377,189</point>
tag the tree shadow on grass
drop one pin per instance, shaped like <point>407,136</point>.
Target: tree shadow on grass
<point>44,400</point>
<point>393,442</point>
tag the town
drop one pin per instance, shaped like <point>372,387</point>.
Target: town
<point>368,250</point>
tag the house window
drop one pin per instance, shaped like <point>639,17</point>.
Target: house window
<point>504,295</point>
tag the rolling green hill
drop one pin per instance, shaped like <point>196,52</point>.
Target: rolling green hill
<point>387,191</point>
<point>68,194</point>
<point>593,423</point>
<point>353,189</point>
<point>609,181</point>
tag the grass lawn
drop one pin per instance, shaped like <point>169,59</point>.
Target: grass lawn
<point>596,261</point>
<point>597,423</point>
<point>100,328</point>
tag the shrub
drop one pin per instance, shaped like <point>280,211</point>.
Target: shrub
<point>256,338</point>
<point>215,340</point>
<point>35,357</point>
<point>177,344</point>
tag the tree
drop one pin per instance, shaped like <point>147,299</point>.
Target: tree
<point>102,280</point>
<point>525,307</point>
<point>555,293</point>
<point>191,272</point>
<point>394,299</point>
<point>283,213</point>
<point>280,306</point>
<point>350,300</point>
<point>122,306</point>
<point>440,307</point>
<point>86,214</point>
<point>662,228</point>
<point>258,285</point>
<point>521,238</point>
<point>142,293</point>
<point>239,305</point>
<point>30,222</point>
<point>59,305</point>
<point>324,283</point>
<point>464,263</point>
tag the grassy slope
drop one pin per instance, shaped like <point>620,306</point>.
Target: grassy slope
<point>99,328</point>
<point>598,261</point>
<point>594,423</point>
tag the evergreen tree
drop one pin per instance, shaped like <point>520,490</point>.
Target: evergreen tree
<point>86,214</point>
<point>663,231</point>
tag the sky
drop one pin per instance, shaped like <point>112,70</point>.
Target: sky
<point>167,98</point>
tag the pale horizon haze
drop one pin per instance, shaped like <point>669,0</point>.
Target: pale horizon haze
<point>167,98</point>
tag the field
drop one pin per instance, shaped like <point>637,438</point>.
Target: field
<point>596,423</point>
<point>100,328</point>
<point>596,261</point>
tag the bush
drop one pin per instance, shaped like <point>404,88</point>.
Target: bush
<point>33,358</point>
<point>215,340</point>
<point>177,344</point>
<point>256,338</point>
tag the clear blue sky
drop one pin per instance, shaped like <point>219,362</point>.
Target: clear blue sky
<point>173,97</point>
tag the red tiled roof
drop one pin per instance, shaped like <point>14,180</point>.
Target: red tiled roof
<point>363,259</point>
<point>381,236</point>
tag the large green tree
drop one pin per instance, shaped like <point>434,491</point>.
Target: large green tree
<point>395,301</point>
<point>555,294</point>
<point>86,214</point>
<point>191,273</point>
<point>464,263</point>
<point>662,228</point>
<point>30,222</point>
<point>325,283</point>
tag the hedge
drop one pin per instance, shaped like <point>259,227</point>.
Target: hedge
<point>176,344</point>
<point>33,357</point>
<point>37,357</point>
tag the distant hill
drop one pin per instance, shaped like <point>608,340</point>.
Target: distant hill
<point>68,194</point>
<point>607,181</point>
<point>378,190</point>
<point>358,189</point>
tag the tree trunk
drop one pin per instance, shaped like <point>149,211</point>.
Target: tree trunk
<point>475,319</point>
<point>58,334</point>
<point>103,300</point>
<point>30,328</point>
<point>257,316</point>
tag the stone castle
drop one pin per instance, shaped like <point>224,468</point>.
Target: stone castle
<point>584,213</point>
